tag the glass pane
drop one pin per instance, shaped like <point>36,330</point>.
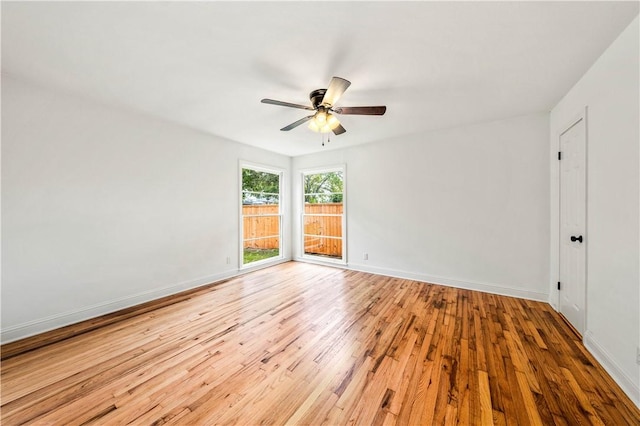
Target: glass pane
<point>323,198</point>
<point>321,246</point>
<point>260,210</point>
<point>261,227</point>
<point>253,254</point>
<point>254,198</point>
<point>323,208</point>
<point>330,183</point>
<point>330,226</point>
<point>260,187</point>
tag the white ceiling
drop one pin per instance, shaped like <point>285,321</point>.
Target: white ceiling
<point>206,65</point>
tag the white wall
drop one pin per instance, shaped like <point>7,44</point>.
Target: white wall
<point>609,90</point>
<point>104,208</point>
<point>466,206</point>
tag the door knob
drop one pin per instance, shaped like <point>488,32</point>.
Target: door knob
<point>578,238</point>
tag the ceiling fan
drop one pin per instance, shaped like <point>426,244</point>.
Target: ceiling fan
<point>323,102</point>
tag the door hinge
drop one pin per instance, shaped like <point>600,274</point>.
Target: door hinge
<point>559,155</point>
<point>558,285</point>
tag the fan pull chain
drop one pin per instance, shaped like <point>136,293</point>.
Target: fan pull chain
<point>328,138</point>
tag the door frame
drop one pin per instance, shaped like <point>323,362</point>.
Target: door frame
<point>554,294</point>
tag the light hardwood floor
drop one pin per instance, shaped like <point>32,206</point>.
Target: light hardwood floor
<point>307,344</point>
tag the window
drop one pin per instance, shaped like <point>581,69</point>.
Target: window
<point>323,215</point>
<point>261,215</point>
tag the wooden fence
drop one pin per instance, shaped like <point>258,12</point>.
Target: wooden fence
<point>259,227</point>
<point>260,231</point>
<point>318,228</point>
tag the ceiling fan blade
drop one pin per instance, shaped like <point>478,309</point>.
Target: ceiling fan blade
<point>339,130</point>
<point>286,104</point>
<point>364,110</point>
<point>296,123</point>
<point>337,86</point>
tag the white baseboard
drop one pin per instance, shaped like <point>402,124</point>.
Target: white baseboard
<point>41,325</point>
<point>450,282</point>
<point>627,383</point>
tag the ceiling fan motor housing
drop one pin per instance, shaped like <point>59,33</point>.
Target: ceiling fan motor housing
<point>316,97</point>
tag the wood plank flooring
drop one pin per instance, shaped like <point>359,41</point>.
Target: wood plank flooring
<point>308,344</point>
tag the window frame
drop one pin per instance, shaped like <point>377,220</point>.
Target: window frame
<point>281,219</point>
<point>317,258</point>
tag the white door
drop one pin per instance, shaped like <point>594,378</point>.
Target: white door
<point>573,179</point>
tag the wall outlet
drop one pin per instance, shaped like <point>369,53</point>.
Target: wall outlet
<point>638,355</point>
<point>365,256</point>
<point>228,260</point>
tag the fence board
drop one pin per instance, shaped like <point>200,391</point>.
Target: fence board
<point>258,227</point>
<point>318,227</point>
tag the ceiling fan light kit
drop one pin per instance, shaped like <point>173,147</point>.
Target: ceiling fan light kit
<point>323,121</point>
<point>323,103</point>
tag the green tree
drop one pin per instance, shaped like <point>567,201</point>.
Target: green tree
<point>260,184</point>
<point>255,181</point>
<point>323,187</point>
